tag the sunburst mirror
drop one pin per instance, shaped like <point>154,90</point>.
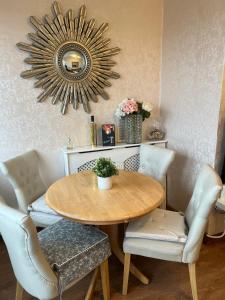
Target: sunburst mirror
<point>70,58</point>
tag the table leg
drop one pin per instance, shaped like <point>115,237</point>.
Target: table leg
<point>112,231</point>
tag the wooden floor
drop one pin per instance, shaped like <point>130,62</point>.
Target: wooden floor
<point>169,281</point>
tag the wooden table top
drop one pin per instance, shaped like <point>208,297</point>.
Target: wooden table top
<point>77,197</point>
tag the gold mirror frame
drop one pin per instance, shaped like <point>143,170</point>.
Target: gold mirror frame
<point>53,38</point>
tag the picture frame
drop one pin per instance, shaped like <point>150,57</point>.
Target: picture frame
<point>108,134</point>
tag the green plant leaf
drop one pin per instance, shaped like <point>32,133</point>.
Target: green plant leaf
<point>105,167</point>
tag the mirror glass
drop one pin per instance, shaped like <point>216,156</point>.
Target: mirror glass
<point>74,62</point>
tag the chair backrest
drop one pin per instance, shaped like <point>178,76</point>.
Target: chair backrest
<point>31,269</point>
<point>23,173</point>
<point>206,192</point>
<point>155,161</point>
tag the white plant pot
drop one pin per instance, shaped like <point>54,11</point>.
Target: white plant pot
<point>104,183</point>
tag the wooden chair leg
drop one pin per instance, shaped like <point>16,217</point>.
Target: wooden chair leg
<point>126,273</point>
<point>104,268</point>
<point>19,291</point>
<point>192,274</point>
<point>92,285</point>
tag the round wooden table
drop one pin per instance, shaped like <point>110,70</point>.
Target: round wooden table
<point>133,194</point>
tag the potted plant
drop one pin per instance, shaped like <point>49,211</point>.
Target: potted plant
<point>104,170</point>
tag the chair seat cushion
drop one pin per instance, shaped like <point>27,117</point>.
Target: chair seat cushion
<point>73,250</point>
<point>42,219</point>
<point>161,224</point>
<point>40,205</point>
<point>152,248</point>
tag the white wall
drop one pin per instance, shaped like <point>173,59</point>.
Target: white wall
<point>192,75</point>
<point>135,26</point>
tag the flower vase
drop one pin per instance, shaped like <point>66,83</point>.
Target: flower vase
<point>121,133</point>
<point>133,128</point>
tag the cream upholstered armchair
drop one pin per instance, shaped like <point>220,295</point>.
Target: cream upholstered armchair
<point>167,235</point>
<point>155,161</point>
<point>59,256</point>
<point>23,173</point>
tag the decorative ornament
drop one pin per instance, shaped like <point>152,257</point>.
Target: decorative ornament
<point>70,58</point>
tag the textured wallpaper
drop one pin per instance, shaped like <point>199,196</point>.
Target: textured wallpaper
<point>192,75</point>
<point>135,26</point>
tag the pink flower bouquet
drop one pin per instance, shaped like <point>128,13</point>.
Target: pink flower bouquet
<point>131,106</point>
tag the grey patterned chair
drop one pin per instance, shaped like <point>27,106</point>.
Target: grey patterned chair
<point>59,256</point>
<point>23,173</point>
<point>167,235</point>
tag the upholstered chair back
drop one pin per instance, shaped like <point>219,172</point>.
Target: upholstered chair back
<point>31,269</point>
<point>155,161</point>
<point>206,192</point>
<point>23,173</point>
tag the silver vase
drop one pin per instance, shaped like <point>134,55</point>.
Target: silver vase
<point>133,128</point>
